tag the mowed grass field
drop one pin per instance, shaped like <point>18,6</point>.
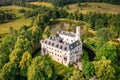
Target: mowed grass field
<point>94,7</point>
<point>16,24</point>
<point>43,4</point>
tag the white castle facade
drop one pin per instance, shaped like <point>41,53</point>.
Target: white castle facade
<point>65,47</point>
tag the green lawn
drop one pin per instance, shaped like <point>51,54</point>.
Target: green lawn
<point>94,7</point>
<point>43,4</point>
<point>60,69</point>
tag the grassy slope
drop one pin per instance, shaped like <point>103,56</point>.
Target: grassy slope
<point>95,7</point>
<point>16,24</point>
<point>42,4</point>
<point>20,21</point>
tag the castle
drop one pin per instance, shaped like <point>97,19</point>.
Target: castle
<point>64,47</point>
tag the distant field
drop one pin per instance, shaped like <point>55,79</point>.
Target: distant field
<point>94,7</point>
<point>14,9</point>
<point>16,24</point>
<point>42,4</point>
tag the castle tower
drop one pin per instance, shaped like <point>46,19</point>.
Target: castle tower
<point>78,33</point>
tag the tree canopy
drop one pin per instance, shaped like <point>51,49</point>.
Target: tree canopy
<point>104,69</point>
<point>8,71</point>
<point>39,69</point>
<point>76,75</point>
<point>25,63</point>
<point>108,50</point>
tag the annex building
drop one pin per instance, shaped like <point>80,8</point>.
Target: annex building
<point>64,47</point>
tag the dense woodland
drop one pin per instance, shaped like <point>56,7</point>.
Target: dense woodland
<point>57,2</point>
<point>20,61</point>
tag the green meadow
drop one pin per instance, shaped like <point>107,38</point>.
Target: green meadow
<point>42,4</point>
<point>17,23</point>
<point>94,7</point>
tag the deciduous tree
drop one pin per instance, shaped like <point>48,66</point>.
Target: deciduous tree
<point>9,71</point>
<point>88,69</point>
<point>16,55</point>
<point>108,50</point>
<point>103,69</point>
<point>23,43</point>
<point>25,63</point>
<point>40,69</point>
<point>46,32</point>
<point>34,34</point>
<point>76,75</point>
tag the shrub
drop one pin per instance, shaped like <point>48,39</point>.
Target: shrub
<point>99,6</point>
<point>21,11</point>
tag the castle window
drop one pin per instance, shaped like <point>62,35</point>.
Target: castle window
<point>45,41</point>
<point>49,43</point>
<point>51,37</point>
<point>57,45</point>
<point>65,58</point>
<point>52,44</point>
<point>65,48</point>
<point>61,47</point>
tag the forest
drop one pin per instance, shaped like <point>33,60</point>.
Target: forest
<point>57,2</point>
<point>20,49</point>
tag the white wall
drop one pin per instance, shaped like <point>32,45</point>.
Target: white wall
<point>58,54</point>
<point>67,39</point>
<point>55,53</point>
